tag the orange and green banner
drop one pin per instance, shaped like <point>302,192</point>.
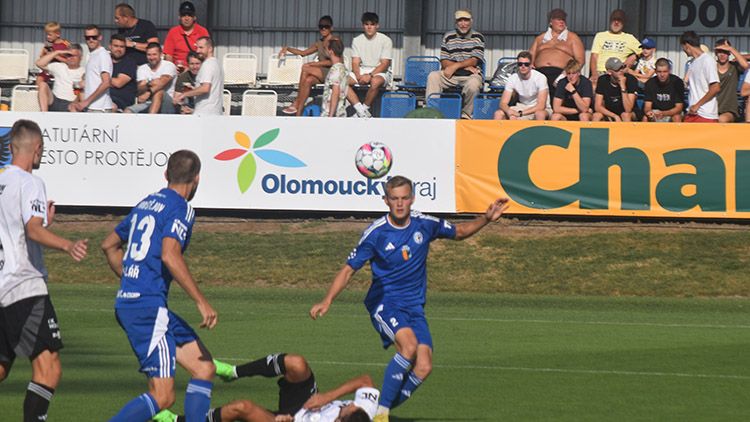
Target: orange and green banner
<point>687,170</point>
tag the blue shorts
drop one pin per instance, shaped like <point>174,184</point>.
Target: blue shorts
<point>388,319</point>
<point>154,334</point>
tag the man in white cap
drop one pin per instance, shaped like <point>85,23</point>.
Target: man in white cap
<point>299,400</point>
<point>461,60</point>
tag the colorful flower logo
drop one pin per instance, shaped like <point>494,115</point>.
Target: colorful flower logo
<point>248,167</point>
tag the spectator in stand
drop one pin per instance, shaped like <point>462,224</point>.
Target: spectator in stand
<point>54,43</point>
<point>138,32</point>
<point>553,49</point>
<point>665,95</point>
<point>573,95</point>
<point>337,82</point>
<point>314,72</point>
<point>210,79</point>
<point>371,63</point>
<point>461,59</point>
<point>186,82</point>
<point>123,88</point>
<point>68,77</point>
<point>530,87</point>
<point>729,80</point>
<point>704,81</point>
<point>645,67</point>
<point>183,38</point>
<point>745,92</point>
<point>615,95</point>
<point>98,75</point>
<point>612,43</point>
<point>156,80</point>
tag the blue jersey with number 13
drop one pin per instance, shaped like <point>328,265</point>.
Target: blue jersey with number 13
<point>145,278</point>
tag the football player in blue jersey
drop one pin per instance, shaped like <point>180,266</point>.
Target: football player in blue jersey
<point>157,231</point>
<point>396,246</point>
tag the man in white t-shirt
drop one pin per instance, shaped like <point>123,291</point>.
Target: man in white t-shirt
<point>532,90</point>
<point>28,324</point>
<point>68,76</point>
<point>371,63</point>
<point>156,80</point>
<point>210,80</point>
<point>704,82</point>
<point>98,75</point>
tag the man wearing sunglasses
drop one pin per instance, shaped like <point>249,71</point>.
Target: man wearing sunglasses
<point>98,75</point>
<point>461,60</point>
<point>183,38</point>
<point>530,86</point>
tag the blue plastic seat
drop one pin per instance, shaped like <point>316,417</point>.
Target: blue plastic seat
<point>485,106</point>
<point>449,103</point>
<point>397,104</point>
<point>416,71</point>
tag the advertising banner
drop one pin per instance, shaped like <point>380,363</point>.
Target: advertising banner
<point>683,170</point>
<point>268,163</point>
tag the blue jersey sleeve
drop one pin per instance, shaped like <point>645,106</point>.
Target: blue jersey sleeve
<point>179,224</point>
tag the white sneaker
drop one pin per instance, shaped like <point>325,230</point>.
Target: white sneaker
<point>364,113</point>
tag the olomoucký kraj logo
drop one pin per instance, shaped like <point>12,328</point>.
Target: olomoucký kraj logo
<point>248,166</point>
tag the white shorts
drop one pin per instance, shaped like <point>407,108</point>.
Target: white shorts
<point>363,70</point>
<point>530,116</point>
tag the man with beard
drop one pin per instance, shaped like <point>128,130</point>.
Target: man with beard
<point>157,232</point>
<point>156,83</point>
<point>461,59</point>
<point>98,75</point>
<point>210,81</point>
<point>613,43</point>
<point>139,33</point>
<point>553,49</point>
<point>123,88</point>
<point>665,95</point>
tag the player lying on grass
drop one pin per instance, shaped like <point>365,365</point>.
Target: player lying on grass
<point>299,400</point>
<point>396,246</point>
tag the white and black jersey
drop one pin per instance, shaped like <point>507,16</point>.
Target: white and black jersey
<point>22,196</point>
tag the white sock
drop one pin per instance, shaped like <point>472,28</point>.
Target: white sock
<point>360,107</point>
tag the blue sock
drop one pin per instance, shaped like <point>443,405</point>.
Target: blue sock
<point>141,408</point>
<point>393,379</point>
<point>411,383</point>
<point>197,400</point>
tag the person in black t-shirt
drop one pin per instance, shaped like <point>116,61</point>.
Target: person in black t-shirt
<point>573,95</point>
<point>665,95</point>
<point>615,94</point>
<point>123,89</point>
<point>138,32</point>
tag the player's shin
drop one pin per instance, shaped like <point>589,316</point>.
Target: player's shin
<point>141,408</point>
<point>411,383</point>
<point>36,403</point>
<point>393,379</point>
<point>197,400</point>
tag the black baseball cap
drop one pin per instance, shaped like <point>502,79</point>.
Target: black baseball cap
<point>187,8</point>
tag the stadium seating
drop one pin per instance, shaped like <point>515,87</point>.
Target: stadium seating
<point>240,69</point>
<point>285,70</point>
<point>485,106</point>
<point>24,98</point>
<point>14,64</point>
<point>416,71</point>
<point>397,104</point>
<point>259,102</point>
<point>449,103</point>
<point>503,61</point>
<point>226,102</point>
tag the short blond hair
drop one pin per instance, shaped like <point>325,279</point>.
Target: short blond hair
<point>52,27</point>
<point>573,66</point>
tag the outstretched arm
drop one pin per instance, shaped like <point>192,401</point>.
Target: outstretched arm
<point>171,252</point>
<point>41,235</point>
<point>339,283</point>
<point>319,400</point>
<point>494,211</point>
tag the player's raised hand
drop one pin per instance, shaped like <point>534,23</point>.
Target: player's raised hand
<point>210,317</point>
<point>315,402</point>
<point>496,209</point>
<point>78,250</point>
<point>319,309</point>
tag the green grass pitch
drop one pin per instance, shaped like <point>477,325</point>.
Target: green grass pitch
<point>497,357</point>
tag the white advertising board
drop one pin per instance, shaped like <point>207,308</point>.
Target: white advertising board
<point>269,163</point>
